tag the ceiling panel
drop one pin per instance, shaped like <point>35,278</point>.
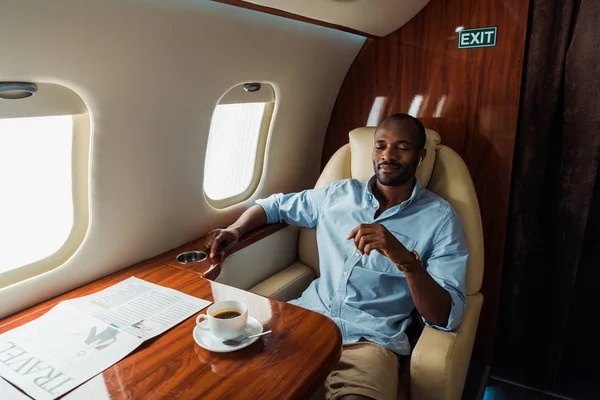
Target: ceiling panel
<point>375,17</point>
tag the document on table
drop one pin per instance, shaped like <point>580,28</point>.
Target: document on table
<point>82,337</point>
<point>10,393</point>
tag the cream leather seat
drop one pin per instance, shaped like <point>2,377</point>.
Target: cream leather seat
<point>439,361</point>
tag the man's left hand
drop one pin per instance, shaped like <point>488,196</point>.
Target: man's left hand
<point>369,237</point>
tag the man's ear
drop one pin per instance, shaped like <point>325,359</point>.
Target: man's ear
<point>423,153</point>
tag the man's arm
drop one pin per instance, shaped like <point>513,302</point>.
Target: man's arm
<point>447,266</point>
<point>432,301</point>
<point>252,218</point>
<point>438,291</point>
<point>301,209</point>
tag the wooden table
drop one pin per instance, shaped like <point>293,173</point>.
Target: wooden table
<point>290,363</point>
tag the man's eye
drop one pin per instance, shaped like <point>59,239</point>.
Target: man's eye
<point>404,148</point>
<point>379,147</point>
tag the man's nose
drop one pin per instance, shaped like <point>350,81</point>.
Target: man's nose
<point>388,154</point>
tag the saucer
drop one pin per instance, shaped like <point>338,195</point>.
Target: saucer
<point>207,341</point>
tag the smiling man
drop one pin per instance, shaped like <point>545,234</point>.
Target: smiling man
<point>386,246</point>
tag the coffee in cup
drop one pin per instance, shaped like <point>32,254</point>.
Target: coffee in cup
<point>228,314</point>
<point>226,319</point>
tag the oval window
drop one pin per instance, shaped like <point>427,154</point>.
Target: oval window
<point>236,144</point>
<point>44,146</point>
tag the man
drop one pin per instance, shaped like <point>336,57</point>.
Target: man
<point>385,246</point>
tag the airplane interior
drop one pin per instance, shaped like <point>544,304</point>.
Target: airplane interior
<point>165,162</point>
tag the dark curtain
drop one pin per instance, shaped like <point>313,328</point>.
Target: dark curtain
<point>550,293</point>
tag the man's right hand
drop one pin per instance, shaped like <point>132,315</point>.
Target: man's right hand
<point>221,240</point>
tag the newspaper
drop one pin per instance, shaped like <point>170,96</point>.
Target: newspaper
<point>8,392</point>
<point>80,338</point>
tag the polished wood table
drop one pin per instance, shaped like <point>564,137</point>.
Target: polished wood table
<point>290,363</point>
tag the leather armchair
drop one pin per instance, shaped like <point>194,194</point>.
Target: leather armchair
<point>440,360</point>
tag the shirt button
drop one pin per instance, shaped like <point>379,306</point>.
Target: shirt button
<point>333,315</point>
<point>345,273</point>
<point>357,254</point>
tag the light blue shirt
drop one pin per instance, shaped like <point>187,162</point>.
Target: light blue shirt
<point>368,296</point>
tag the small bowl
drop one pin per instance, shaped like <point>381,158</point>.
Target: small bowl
<point>191,257</point>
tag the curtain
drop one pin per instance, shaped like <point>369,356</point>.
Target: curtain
<point>550,293</point>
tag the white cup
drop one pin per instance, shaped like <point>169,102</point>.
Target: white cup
<point>225,329</point>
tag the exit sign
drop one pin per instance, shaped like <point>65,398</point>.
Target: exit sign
<point>478,37</point>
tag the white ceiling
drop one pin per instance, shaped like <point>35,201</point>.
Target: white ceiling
<point>376,17</point>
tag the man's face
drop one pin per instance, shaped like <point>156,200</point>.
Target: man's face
<point>395,153</point>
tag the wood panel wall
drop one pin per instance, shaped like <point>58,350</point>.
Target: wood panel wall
<point>469,96</point>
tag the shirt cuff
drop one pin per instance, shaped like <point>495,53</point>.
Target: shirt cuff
<point>271,207</point>
<point>457,309</point>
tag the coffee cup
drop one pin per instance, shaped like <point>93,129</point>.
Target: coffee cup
<point>226,319</point>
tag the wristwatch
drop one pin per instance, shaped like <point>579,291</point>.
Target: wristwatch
<point>416,263</point>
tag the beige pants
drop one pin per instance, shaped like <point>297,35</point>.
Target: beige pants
<point>365,369</point>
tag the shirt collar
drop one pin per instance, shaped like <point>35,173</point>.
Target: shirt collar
<point>371,197</point>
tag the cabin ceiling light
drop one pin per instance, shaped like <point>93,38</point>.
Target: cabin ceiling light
<point>252,87</point>
<point>16,90</point>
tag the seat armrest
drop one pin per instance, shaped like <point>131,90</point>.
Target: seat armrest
<point>440,360</point>
<point>261,259</point>
<point>287,284</point>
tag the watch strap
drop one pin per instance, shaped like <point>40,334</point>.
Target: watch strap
<point>412,264</point>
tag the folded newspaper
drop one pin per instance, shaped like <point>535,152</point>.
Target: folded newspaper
<point>82,337</point>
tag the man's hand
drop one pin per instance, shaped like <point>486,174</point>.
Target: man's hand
<point>369,237</point>
<point>221,240</point>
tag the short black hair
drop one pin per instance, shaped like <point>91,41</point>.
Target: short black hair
<point>406,117</point>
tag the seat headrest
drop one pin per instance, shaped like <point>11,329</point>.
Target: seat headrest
<point>361,146</point>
